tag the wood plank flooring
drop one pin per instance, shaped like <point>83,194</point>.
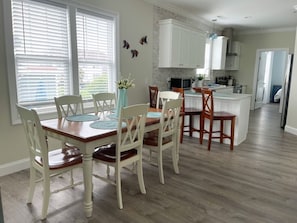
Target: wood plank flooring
<point>255,183</point>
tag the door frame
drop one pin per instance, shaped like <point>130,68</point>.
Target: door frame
<point>255,79</point>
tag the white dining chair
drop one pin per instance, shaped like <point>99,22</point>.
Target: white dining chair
<point>68,105</point>
<point>47,162</point>
<point>104,103</point>
<point>128,149</point>
<point>164,96</point>
<point>167,135</point>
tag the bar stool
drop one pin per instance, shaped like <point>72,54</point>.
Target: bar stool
<point>188,111</point>
<point>209,113</point>
<point>153,91</point>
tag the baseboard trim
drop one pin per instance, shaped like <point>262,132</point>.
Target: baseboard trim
<point>291,130</point>
<point>13,167</point>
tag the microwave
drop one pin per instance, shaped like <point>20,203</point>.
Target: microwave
<point>185,83</point>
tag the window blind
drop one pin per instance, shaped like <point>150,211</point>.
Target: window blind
<point>41,50</point>
<point>96,53</point>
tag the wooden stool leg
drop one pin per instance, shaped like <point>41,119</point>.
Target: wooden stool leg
<point>190,125</point>
<point>232,133</point>
<point>221,131</point>
<point>201,128</point>
<point>210,134</point>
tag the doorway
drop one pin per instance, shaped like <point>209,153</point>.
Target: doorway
<point>269,74</point>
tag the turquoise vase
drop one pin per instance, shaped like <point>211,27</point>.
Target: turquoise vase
<point>121,100</point>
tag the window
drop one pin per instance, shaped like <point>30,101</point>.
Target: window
<point>95,47</point>
<point>47,59</point>
<point>207,60</point>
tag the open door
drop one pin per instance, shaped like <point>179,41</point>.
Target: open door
<point>260,86</point>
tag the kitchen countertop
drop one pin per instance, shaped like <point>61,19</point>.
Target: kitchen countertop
<point>224,96</point>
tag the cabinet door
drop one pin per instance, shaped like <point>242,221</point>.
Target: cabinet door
<point>197,50</point>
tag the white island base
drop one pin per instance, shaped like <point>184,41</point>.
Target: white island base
<point>238,104</point>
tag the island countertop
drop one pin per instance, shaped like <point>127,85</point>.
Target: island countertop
<point>218,95</point>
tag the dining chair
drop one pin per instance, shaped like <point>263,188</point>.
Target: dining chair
<point>68,105</point>
<point>48,163</point>
<point>166,137</point>
<point>164,96</point>
<point>104,103</point>
<point>208,112</point>
<point>128,149</point>
<point>153,92</point>
<point>190,112</point>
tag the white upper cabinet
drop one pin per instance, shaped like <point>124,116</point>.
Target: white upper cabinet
<point>219,50</point>
<point>180,46</point>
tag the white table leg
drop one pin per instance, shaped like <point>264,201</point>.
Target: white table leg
<point>87,171</point>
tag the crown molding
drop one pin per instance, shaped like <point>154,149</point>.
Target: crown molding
<point>262,31</point>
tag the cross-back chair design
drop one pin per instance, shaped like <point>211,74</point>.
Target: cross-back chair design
<point>68,105</point>
<point>167,135</point>
<point>209,113</point>
<point>48,163</point>
<point>153,92</point>
<point>164,96</point>
<point>104,103</point>
<point>187,111</point>
<point>128,149</point>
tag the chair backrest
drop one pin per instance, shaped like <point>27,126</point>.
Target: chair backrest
<point>153,91</point>
<point>68,105</point>
<point>131,137</point>
<point>104,102</point>
<point>169,121</point>
<point>164,96</point>
<point>207,102</point>
<point>36,138</point>
<point>182,95</point>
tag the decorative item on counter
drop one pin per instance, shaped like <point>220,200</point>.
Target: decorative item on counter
<point>126,44</point>
<point>200,80</point>
<point>122,100</point>
<point>143,40</point>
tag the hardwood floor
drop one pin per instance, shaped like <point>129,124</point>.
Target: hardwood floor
<point>255,183</point>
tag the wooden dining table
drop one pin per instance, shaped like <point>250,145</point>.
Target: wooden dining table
<point>86,138</point>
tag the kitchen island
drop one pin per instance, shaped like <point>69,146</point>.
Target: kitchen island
<point>238,104</point>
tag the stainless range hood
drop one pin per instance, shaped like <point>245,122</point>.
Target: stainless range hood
<point>228,32</point>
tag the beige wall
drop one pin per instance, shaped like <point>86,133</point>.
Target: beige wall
<point>135,21</point>
<point>250,43</point>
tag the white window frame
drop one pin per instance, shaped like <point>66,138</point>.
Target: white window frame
<point>51,112</point>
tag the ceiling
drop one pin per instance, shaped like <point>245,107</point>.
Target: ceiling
<point>241,15</point>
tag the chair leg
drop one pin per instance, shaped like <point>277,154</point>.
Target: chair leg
<point>46,195</point>
<point>175,159</point>
<point>32,184</point>
<point>160,167</point>
<point>119,187</point>
<point>140,176</point>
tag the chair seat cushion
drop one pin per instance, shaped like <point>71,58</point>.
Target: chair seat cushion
<point>107,153</point>
<point>61,158</point>
<point>151,138</point>
<point>223,115</point>
<point>192,111</point>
